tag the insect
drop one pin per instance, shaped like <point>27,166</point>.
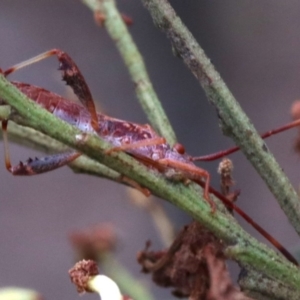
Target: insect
<point>139,141</point>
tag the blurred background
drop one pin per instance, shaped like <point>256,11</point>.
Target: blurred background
<point>256,48</point>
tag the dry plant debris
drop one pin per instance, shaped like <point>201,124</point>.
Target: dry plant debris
<point>81,274</point>
<point>93,242</point>
<point>194,266</point>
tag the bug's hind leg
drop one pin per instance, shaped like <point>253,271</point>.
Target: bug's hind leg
<point>138,144</point>
<point>191,172</point>
<point>37,165</point>
<point>135,185</point>
<point>71,75</point>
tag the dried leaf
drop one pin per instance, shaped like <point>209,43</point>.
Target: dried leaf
<point>93,242</point>
<point>221,287</point>
<point>183,266</point>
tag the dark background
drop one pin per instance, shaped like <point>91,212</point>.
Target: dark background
<point>255,45</point>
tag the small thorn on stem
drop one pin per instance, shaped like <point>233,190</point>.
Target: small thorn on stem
<point>100,18</point>
<point>127,20</point>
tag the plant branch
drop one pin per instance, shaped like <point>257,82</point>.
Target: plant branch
<point>234,121</point>
<point>132,58</point>
<point>253,282</point>
<point>246,250</point>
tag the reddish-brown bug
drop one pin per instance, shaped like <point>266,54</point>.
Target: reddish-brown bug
<point>139,141</point>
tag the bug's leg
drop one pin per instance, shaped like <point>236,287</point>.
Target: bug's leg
<point>71,75</point>
<point>138,144</point>
<point>37,165</point>
<point>135,185</point>
<point>193,173</point>
<point>44,164</point>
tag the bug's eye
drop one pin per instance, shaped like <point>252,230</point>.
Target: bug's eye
<point>179,148</point>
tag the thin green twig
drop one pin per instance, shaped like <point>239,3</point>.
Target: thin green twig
<point>234,121</point>
<point>253,282</point>
<point>119,33</point>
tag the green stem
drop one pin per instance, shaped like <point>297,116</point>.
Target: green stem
<point>247,251</point>
<point>149,101</point>
<point>234,121</point>
<point>253,282</point>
